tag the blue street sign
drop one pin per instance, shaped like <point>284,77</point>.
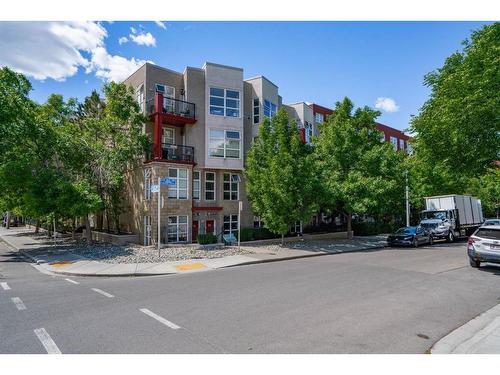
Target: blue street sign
<point>155,188</point>
<point>167,181</point>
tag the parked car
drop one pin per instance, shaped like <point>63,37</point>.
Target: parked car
<point>491,222</point>
<point>410,236</point>
<point>484,246</point>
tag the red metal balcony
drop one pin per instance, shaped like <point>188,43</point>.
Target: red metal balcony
<point>171,111</point>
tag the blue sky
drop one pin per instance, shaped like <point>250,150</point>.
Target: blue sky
<point>319,62</point>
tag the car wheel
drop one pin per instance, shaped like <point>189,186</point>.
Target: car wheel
<point>474,263</point>
<point>450,237</point>
<point>431,240</point>
<point>415,242</point>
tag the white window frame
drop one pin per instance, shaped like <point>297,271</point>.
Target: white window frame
<point>271,104</point>
<point>214,190</point>
<point>224,141</point>
<point>401,144</point>
<point>256,111</point>
<point>147,184</point>
<point>176,188</point>
<point>197,182</point>
<point>224,107</point>
<point>165,131</point>
<point>177,225</point>
<point>319,118</point>
<point>231,220</point>
<point>139,95</point>
<point>258,220</point>
<point>166,90</point>
<point>234,178</point>
<point>394,142</point>
<point>147,230</point>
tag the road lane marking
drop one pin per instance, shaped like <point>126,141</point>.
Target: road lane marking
<point>47,342</point>
<point>72,281</point>
<point>19,304</point>
<point>103,292</point>
<point>160,319</point>
<point>5,286</point>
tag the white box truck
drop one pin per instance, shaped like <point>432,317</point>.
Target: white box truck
<point>451,216</point>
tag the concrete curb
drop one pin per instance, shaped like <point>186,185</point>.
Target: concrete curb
<point>465,338</point>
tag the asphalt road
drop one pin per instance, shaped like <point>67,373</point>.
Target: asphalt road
<point>384,301</point>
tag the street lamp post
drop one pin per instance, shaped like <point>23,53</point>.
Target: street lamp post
<point>407,201</point>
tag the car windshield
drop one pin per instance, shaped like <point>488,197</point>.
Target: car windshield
<point>408,230</point>
<point>492,222</point>
<point>492,234</point>
<point>440,215</point>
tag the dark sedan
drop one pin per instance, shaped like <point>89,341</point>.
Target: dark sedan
<point>410,236</point>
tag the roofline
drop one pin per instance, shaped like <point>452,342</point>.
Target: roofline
<point>162,68</point>
<point>264,77</point>
<point>221,66</point>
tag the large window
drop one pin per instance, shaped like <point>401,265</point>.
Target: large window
<point>196,185</point>
<point>177,228</point>
<point>257,222</point>
<point>147,183</point>
<point>224,144</point>
<point>224,102</point>
<point>319,118</point>
<point>168,136</point>
<point>231,186</point>
<point>230,224</point>
<point>401,144</point>
<point>180,189</point>
<point>269,109</point>
<point>256,111</point>
<point>394,142</point>
<point>139,94</point>
<point>209,186</point>
<point>308,132</point>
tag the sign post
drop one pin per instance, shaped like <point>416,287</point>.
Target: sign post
<point>240,208</point>
<point>162,181</point>
<point>159,217</point>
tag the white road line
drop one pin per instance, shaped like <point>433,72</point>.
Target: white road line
<point>19,304</point>
<point>160,319</point>
<point>47,342</point>
<point>103,292</point>
<point>72,281</point>
<point>5,286</point>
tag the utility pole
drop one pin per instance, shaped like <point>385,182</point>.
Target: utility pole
<point>240,207</point>
<point>159,204</point>
<point>407,202</point>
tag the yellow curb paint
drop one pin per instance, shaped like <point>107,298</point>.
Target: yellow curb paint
<point>61,263</point>
<point>190,266</point>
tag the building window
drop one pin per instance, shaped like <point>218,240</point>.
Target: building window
<point>256,111</point>
<point>269,109</point>
<point>409,149</point>
<point>257,222</point>
<point>167,91</point>
<point>147,183</point>
<point>224,144</point>
<point>168,136</point>
<point>319,118</point>
<point>308,132</point>
<point>180,189</point>
<point>196,185</point>
<point>394,142</point>
<point>231,186</point>
<point>139,94</point>
<point>147,230</point>
<point>224,102</point>
<point>209,186</point>
<point>401,144</point>
<point>230,224</point>
<point>177,228</point>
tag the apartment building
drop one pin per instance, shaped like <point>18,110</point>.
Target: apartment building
<point>197,130</point>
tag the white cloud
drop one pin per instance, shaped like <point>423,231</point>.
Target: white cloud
<point>146,39</point>
<point>133,30</point>
<point>161,24</point>
<point>122,40</point>
<point>386,104</point>
<point>57,50</point>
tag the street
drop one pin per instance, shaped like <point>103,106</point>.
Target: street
<point>393,300</point>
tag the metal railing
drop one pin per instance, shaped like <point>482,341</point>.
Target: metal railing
<point>177,152</point>
<point>174,107</point>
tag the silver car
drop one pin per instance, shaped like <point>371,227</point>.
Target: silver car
<point>488,222</point>
<point>484,246</point>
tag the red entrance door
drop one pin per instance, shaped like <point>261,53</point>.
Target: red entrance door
<point>209,226</point>
<point>195,230</point>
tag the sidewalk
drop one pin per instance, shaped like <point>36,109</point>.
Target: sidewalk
<point>67,263</point>
<point>481,335</point>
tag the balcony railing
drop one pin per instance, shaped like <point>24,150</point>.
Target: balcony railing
<point>177,153</point>
<point>174,107</point>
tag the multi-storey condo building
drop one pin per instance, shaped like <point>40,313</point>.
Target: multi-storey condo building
<point>202,123</point>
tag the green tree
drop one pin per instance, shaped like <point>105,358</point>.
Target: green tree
<point>487,188</point>
<point>359,173</point>
<point>280,178</point>
<point>457,132</point>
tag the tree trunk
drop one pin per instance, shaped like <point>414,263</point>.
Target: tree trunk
<point>282,240</point>
<point>73,228</point>
<point>37,226</point>
<point>7,225</point>
<point>349,225</point>
<point>88,233</point>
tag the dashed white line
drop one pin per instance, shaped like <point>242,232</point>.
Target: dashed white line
<point>47,342</point>
<point>72,281</point>
<point>5,286</point>
<point>160,319</point>
<point>103,292</point>
<point>19,304</point>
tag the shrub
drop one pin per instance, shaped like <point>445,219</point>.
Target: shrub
<point>254,234</point>
<point>362,228</point>
<point>205,239</point>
